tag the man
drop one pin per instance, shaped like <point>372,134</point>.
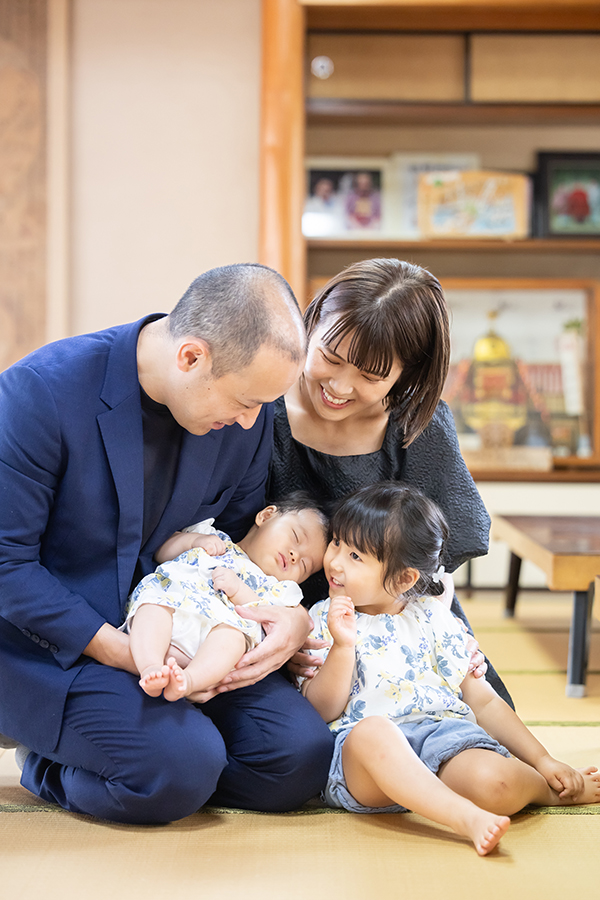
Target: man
<point>109,443</point>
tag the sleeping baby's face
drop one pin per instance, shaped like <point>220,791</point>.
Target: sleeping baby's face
<point>290,546</point>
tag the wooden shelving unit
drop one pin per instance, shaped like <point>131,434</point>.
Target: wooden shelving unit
<point>348,112</point>
<point>287,113</point>
<point>529,245</point>
<point>558,476</point>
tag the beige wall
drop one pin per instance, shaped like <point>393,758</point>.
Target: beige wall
<point>165,117</point>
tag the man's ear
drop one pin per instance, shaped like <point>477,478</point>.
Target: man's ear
<point>194,353</point>
<point>267,513</point>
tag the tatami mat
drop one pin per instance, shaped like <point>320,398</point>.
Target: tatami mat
<point>531,650</point>
<point>226,855</point>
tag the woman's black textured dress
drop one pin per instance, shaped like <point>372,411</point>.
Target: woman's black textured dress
<point>432,463</point>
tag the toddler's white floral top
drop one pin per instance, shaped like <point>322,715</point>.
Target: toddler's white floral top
<point>408,666</point>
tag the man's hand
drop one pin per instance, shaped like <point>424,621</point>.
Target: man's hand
<point>286,630</point>
<point>305,665</point>
<point>111,648</point>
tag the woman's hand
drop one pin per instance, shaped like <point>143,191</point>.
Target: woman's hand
<point>478,666</point>
<point>286,631</point>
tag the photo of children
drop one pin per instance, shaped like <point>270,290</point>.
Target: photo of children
<point>343,200</point>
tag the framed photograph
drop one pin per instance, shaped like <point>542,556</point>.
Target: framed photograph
<point>405,172</point>
<point>523,384</point>
<point>568,194</point>
<point>346,197</point>
<point>474,204</point>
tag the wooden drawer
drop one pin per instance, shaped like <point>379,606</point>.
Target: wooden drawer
<point>389,67</point>
<point>535,68</point>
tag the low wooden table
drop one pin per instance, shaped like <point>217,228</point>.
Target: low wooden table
<point>567,550</point>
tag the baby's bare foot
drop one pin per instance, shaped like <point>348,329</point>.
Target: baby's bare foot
<point>485,830</point>
<point>154,679</point>
<point>591,788</point>
<point>178,685</point>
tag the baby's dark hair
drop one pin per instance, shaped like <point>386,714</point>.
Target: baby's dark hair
<point>299,500</point>
<point>400,527</point>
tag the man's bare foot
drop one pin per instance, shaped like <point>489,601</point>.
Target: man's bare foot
<point>590,792</point>
<point>485,829</point>
<point>154,679</point>
<point>178,683</point>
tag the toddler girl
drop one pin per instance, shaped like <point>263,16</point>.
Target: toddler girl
<point>413,729</point>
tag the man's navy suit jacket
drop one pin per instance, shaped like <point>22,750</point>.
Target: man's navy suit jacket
<point>71,511</point>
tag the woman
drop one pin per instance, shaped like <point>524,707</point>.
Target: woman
<point>368,408</point>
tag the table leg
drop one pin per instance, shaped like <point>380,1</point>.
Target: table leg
<point>512,588</point>
<point>468,585</point>
<point>579,642</point>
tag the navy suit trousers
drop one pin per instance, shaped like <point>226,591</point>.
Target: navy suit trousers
<point>127,757</point>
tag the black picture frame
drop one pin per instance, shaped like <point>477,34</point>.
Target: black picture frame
<point>331,213</point>
<point>567,194</point>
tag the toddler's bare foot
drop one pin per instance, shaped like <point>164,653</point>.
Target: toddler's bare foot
<point>154,679</point>
<point>485,829</point>
<point>590,792</point>
<point>178,685</point>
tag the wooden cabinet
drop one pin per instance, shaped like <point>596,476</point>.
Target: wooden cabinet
<point>504,95</point>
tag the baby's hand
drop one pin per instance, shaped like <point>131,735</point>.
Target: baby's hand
<point>341,621</point>
<point>182,541</point>
<point>211,543</point>
<point>567,782</point>
<point>226,580</point>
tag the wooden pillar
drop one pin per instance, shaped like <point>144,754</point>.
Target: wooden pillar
<point>282,188</point>
<point>58,318</point>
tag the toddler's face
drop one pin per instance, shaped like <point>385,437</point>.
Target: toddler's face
<point>290,546</point>
<point>359,576</point>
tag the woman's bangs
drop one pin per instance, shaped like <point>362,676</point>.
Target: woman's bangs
<point>370,350</point>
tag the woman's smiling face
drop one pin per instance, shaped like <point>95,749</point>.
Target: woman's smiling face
<point>337,389</point>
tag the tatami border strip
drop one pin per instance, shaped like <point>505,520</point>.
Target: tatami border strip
<point>505,671</point>
<point>532,722</point>
<point>592,810</point>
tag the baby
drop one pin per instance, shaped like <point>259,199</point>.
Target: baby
<point>186,633</point>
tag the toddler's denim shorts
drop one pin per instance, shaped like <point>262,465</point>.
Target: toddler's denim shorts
<point>434,742</point>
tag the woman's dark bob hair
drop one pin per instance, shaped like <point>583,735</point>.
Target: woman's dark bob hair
<point>392,311</point>
<point>400,527</point>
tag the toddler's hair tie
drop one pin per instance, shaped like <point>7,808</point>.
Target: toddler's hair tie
<point>437,576</point>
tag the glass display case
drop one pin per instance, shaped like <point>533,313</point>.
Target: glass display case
<point>523,379</point>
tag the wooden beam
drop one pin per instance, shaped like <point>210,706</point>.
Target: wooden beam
<point>58,166</point>
<point>282,188</point>
<point>448,15</point>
